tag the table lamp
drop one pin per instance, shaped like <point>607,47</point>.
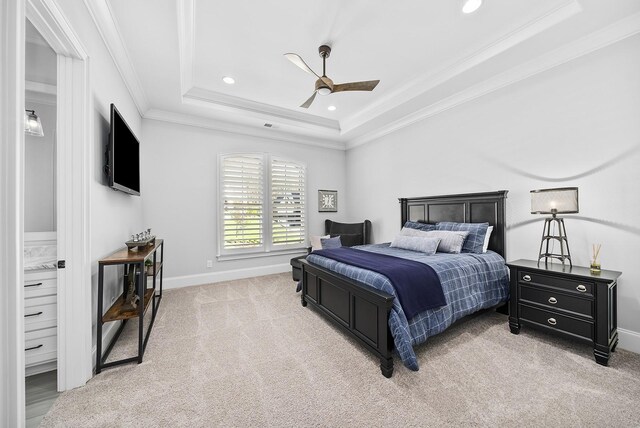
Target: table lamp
<point>554,201</point>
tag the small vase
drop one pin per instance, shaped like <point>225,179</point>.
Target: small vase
<point>595,267</point>
<point>150,270</point>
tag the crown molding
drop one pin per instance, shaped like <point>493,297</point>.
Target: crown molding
<point>424,83</point>
<point>43,88</point>
<point>228,103</point>
<point>609,35</point>
<point>107,26</point>
<point>186,12</point>
<point>41,93</point>
<point>235,129</point>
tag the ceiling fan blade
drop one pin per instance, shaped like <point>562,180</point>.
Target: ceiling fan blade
<point>368,85</point>
<point>297,60</point>
<point>307,103</point>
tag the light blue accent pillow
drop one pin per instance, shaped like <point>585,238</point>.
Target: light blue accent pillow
<point>420,226</point>
<point>414,243</point>
<point>329,243</point>
<point>475,240</point>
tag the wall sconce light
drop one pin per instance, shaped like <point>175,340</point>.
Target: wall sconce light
<point>32,124</point>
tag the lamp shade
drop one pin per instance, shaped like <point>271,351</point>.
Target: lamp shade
<point>555,201</point>
<point>32,124</point>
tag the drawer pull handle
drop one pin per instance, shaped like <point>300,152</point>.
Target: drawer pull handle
<point>581,288</point>
<point>526,278</point>
<point>33,315</point>
<point>552,321</point>
<point>34,347</point>
<point>553,300</point>
<point>32,285</point>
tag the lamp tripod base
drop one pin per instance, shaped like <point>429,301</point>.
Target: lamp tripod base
<point>561,237</point>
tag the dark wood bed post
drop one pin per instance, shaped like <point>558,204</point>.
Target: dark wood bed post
<point>362,311</point>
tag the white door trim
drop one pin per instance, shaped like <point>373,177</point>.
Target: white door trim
<point>12,44</point>
<point>73,192</point>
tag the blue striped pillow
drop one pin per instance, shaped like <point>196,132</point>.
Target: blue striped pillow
<point>420,226</point>
<point>475,240</point>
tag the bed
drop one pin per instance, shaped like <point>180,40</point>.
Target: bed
<point>364,305</point>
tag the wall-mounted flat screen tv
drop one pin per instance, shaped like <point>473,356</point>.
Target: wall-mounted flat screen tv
<point>123,166</point>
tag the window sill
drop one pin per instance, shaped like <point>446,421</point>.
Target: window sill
<point>242,256</point>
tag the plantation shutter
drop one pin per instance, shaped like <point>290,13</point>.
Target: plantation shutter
<point>243,196</point>
<point>287,203</point>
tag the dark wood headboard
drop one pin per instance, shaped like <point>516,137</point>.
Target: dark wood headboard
<point>466,208</point>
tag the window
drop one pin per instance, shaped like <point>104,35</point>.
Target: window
<point>262,203</point>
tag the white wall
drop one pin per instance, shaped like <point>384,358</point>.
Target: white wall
<point>40,63</point>
<point>114,215</point>
<point>180,184</point>
<point>575,125</point>
<point>39,173</point>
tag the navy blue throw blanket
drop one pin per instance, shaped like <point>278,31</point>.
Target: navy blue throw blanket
<point>416,284</point>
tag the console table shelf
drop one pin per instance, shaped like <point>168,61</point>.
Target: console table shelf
<point>118,312</point>
<point>149,286</point>
<point>156,270</point>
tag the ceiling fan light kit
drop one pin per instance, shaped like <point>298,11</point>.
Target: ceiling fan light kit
<point>324,85</point>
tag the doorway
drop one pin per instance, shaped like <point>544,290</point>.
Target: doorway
<point>40,227</point>
<point>73,163</point>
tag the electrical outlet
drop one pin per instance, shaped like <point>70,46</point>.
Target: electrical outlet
<point>113,299</point>
<point>209,263</point>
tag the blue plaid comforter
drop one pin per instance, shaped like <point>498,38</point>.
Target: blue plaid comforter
<point>470,282</point>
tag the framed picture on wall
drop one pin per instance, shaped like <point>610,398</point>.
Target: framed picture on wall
<point>327,201</point>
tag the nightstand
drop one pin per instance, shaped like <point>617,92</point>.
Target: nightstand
<point>566,300</point>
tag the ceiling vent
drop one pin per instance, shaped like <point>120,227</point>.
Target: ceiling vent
<point>268,125</point>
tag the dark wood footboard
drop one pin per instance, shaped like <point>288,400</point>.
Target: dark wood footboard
<point>361,311</point>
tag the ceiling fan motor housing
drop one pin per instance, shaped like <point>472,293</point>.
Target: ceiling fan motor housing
<point>324,86</point>
<point>324,51</point>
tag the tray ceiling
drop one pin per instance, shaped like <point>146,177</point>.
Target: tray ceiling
<point>424,53</point>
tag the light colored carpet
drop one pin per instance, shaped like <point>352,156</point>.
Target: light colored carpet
<point>246,353</point>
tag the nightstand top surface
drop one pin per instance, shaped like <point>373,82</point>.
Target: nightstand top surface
<point>578,271</point>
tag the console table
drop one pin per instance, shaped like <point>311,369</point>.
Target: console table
<point>118,311</point>
<point>567,300</point>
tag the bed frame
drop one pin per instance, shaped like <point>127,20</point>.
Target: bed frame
<point>362,311</point>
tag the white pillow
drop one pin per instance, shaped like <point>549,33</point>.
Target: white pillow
<point>485,247</point>
<point>451,241</point>
<point>414,243</point>
<point>316,242</point>
<point>407,231</point>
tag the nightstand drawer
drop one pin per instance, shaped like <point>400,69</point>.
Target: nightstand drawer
<point>556,321</point>
<point>553,300</point>
<point>581,288</point>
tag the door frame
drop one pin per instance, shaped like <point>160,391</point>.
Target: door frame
<point>74,132</point>
<point>73,165</point>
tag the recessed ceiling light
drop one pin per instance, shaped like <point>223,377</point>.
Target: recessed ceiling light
<point>331,108</point>
<point>471,6</point>
<point>228,80</point>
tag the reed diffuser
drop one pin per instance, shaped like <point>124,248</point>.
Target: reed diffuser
<point>595,263</point>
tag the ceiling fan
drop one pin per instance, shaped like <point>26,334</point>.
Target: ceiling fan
<point>324,85</point>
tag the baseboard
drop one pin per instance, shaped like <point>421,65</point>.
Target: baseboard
<point>629,340</point>
<point>227,275</point>
<point>108,331</point>
<point>40,368</point>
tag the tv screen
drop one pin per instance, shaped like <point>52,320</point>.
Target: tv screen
<point>124,157</point>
